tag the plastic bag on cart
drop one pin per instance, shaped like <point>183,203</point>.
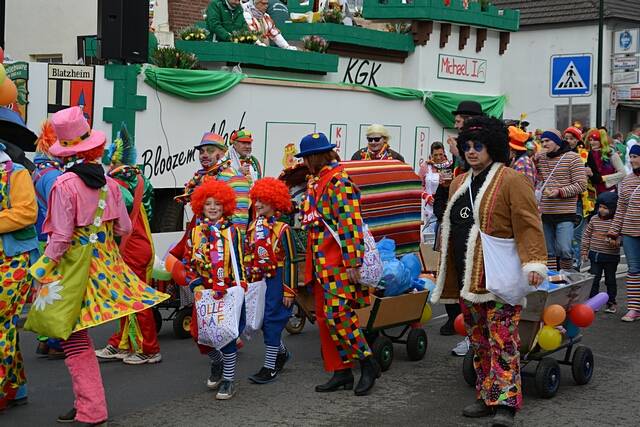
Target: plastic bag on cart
<point>396,277</point>
<point>503,269</point>
<point>218,319</point>
<point>254,300</point>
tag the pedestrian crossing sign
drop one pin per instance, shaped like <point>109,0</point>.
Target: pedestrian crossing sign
<point>571,75</point>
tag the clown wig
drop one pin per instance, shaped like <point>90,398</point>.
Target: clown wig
<point>599,135</point>
<point>488,131</point>
<point>272,192</point>
<point>217,190</point>
<point>46,138</point>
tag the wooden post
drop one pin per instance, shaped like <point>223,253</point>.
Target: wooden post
<point>504,41</point>
<point>465,32</point>
<point>481,37</point>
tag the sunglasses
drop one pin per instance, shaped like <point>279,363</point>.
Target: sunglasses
<point>477,146</point>
<point>374,138</point>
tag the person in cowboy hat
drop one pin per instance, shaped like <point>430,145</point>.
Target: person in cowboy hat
<point>520,160</point>
<point>18,213</point>
<point>241,158</point>
<point>332,265</point>
<point>83,281</point>
<point>377,146</point>
<point>141,346</point>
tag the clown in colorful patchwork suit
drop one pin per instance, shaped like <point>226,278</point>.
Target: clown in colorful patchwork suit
<point>333,204</point>
<point>136,341</point>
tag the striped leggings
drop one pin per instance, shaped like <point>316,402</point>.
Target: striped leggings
<point>77,343</point>
<point>631,246</point>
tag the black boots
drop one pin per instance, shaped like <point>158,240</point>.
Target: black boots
<point>341,379</point>
<point>477,409</point>
<point>370,371</point>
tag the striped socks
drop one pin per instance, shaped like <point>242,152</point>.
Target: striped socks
<point>633,291</point>
<point>270,355</point>
<point>215,356</point>
<point>282,349</point>
<point>229,365</point>
<point>552,263</point>
<point>566,264</point>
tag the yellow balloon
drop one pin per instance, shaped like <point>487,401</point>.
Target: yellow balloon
<point>426,313</point>
<point>3,74</point>
<point>549,338</point>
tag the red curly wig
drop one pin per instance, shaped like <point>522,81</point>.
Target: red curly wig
<point>217,190</point>
<point>272,192</point>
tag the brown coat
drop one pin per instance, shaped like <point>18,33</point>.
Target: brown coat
<point>506,197</point>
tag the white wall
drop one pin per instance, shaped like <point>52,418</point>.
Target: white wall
<point>48,27</point>
<point>527,69</point>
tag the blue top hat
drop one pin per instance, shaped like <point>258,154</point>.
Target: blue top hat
<point>314,143</point>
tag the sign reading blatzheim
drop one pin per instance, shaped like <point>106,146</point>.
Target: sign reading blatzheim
<point>462,68</point>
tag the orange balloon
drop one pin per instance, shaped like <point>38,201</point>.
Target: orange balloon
<point>169,262</point>
<point>554,315</point>
<point>8,92</point>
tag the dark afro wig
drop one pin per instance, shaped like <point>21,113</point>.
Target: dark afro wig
<point>489,131</point>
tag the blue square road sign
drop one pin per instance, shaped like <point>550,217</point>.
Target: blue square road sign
<point>571,75</point>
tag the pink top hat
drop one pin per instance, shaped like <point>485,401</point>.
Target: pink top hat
<point>74,133</point>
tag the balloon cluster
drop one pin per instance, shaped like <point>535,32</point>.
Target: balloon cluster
<point>578,316</point>
<point>8,89</point>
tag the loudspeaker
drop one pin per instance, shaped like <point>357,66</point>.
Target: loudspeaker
<point>123,30</point>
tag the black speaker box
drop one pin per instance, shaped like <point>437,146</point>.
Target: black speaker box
<point>123,30</point>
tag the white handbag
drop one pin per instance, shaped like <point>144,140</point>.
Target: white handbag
<point>371,268</point>
<point>218,319</point>
<point>254,301</point>
<point>503,269</point>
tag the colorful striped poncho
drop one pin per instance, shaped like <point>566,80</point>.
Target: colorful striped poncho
<point>390,198</point>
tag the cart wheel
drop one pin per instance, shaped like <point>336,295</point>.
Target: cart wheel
<point>547,378</point>
<point>296,322</point>
<point>417,344</point>
<point>582,365</point>
<point>468,370</point>
<point>157,316</point>
<point>182,323</point>
<point>383,352</point>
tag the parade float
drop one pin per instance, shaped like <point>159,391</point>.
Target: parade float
<point>405,65</point>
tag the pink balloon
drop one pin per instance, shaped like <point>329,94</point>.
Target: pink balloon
<point>597,301</point>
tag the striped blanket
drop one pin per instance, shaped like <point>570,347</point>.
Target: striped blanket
<point>390,199</point>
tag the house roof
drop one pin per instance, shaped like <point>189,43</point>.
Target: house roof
<point>536,12</point>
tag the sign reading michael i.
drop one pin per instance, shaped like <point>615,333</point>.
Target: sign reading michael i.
<point>462,68</point>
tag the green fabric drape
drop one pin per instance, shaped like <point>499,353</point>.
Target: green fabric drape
<point>441,104</point>
<point>399,93</point>
<point>196,84</point>
<point>191,84</point>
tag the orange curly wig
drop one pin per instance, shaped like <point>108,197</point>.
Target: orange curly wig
<point>272,192</point>
<point>217,190</point>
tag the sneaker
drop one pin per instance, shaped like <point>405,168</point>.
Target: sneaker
<point>447,329</point>
<point>69,417</point>
<point>42,349</point>
<point>111,353</point>
<point>214,380</point>
<point>282,360</point>
<point>142,358</point>
<point>226,390</point>
<point>264,376</point>
<point>611,308</point>
<point>461,348</point>
<point>631,316</point>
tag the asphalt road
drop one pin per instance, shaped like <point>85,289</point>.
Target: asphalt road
<point>429,392</point>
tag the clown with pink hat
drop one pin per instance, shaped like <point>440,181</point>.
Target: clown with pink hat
<point>83,281</point>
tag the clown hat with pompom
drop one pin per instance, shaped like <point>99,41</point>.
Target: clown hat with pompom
<point>122,151</point>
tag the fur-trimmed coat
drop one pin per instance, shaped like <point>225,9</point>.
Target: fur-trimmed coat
<point>508,198</point>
